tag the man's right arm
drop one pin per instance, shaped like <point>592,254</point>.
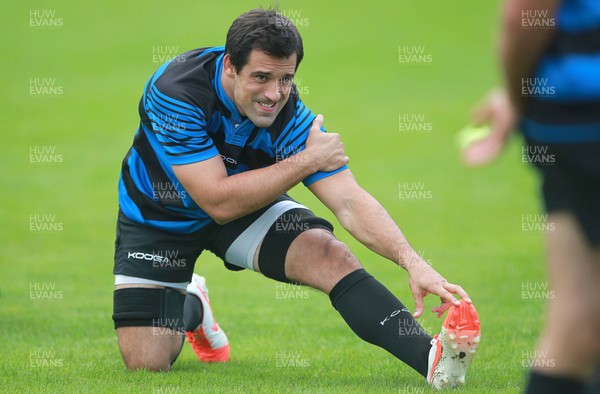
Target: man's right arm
<point>520,50</point>
<point>521,47</point>
<point>225,198</point>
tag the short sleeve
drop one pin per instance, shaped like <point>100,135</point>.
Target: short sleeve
<point>293,140</point>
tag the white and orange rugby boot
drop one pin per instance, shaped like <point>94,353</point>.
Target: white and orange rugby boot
<point>453,349</point>
<point>208,340</point>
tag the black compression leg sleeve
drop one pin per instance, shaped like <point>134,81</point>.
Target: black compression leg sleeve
<point>192,312</point>
<point>547,384</point>
<point>378,317</point>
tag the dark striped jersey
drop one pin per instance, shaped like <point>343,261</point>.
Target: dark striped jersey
<point>563,96</point>
<point>187,117</point>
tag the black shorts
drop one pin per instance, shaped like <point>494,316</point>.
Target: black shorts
<point>570,181</point>
<point>147,255</point>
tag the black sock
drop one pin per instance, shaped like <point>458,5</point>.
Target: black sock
<point>192,312</point>
<point>549,384</point>
<point>594,386</point>
<point>378,317</point>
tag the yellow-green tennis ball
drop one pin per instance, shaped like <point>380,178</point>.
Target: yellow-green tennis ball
<point>472,133</point>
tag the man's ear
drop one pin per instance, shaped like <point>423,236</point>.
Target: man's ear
<point>228,68</point>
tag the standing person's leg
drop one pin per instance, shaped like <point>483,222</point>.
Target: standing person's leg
<point>568,353</point>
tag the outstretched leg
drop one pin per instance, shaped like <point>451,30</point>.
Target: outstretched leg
<point>316,258</point>
<point>286,242</point>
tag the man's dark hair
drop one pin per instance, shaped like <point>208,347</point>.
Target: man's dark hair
<point>268,31</point>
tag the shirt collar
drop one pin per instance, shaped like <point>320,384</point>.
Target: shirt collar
<point>221,94</point>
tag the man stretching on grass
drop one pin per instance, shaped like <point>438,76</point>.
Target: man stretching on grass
<point>223,137</point>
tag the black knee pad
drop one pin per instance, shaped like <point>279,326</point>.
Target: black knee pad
<point>149,307</point>
<point>277,241</point>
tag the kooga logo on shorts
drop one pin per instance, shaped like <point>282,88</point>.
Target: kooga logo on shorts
<point>159,261</point>
<point>146,256</point>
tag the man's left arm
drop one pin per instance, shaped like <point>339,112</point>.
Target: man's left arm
<point>367,221</point>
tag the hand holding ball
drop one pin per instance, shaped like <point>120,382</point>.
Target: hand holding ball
<point>472,133</point>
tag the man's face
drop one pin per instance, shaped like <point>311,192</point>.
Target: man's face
<point>262,87</point>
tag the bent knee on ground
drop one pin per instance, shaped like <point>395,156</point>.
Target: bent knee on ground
<point>149,349</point>
<point>318,259</point>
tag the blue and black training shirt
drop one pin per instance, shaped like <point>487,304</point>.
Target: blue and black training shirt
<point>563,96</point>
<point>187,117</point>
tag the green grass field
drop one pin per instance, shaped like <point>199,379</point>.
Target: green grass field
<point>72,79</point>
